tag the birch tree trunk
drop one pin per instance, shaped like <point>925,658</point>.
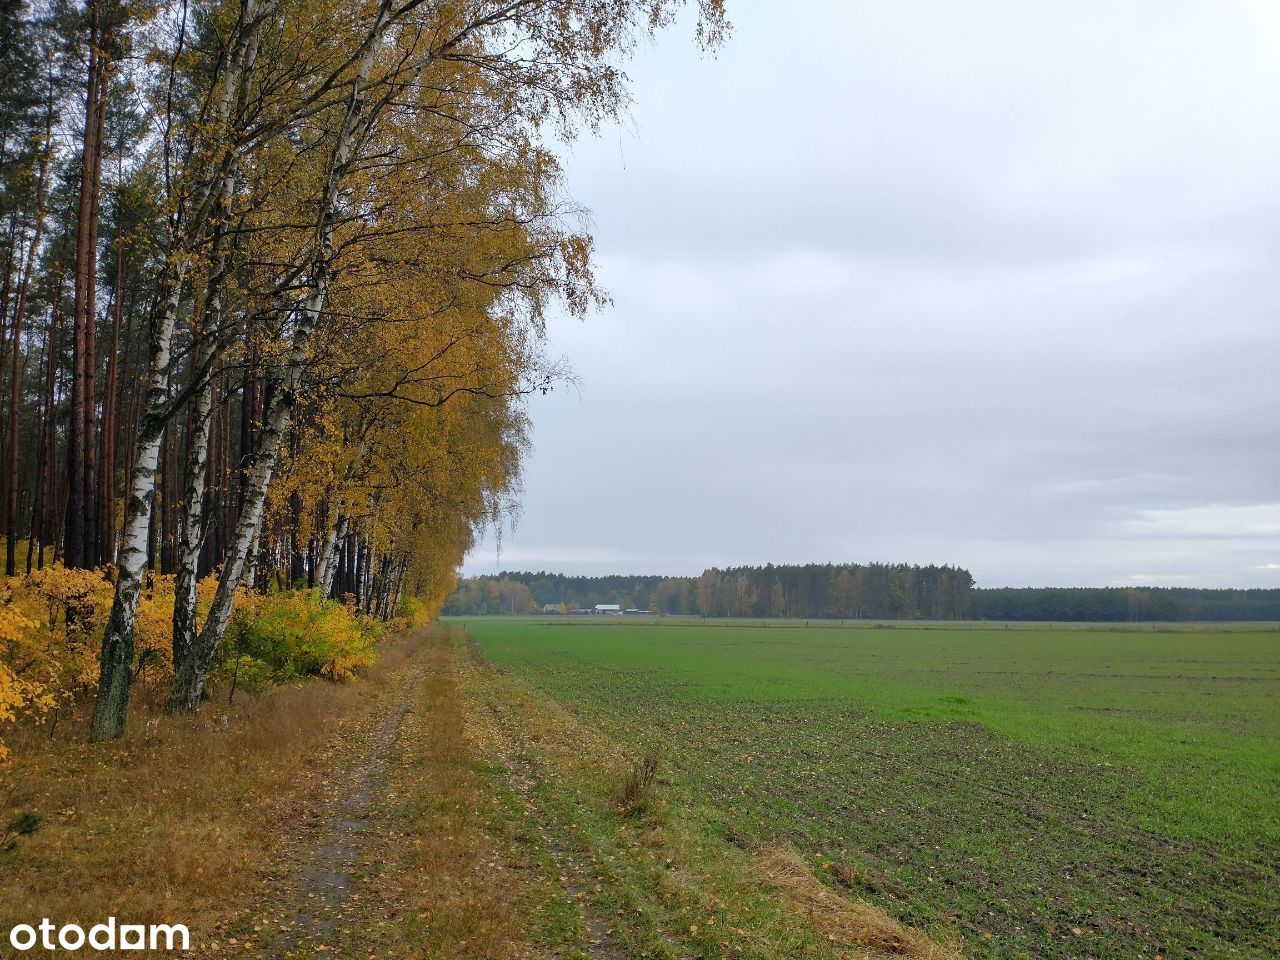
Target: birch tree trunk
<point>110,709</point>
<point>337,530</point>
<point>116,662</point>
<point>402,566</point>
<point>327,566</point>
<point>191,520</point>
<point>385,568</point>
<point>191,675</point>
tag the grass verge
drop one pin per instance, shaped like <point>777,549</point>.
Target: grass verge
<point>178,820</point>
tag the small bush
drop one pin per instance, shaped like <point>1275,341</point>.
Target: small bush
<point>51,624</point>
<point>635,794</point>
<point>52,620</point>
<point>413,612</point>
<point>296,634</point>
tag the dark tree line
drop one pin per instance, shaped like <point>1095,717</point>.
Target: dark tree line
<point>840,591</point>
<point>1124,604</point>
<point>851,591</point>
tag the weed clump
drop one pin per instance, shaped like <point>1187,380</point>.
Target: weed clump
<point>635,793</point>
<point>852,877</point>
<point>23,825</point>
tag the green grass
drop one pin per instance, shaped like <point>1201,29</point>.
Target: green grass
<point>1014,785</point>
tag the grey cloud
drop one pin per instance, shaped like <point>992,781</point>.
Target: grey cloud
<point>989,284</point>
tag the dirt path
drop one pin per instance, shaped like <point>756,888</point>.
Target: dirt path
<point>395,861</point>
<point>321,891</point>
<point>413,853</point>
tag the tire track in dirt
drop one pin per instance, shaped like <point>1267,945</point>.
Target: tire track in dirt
<point>576,876</point>
<point>318,894</point>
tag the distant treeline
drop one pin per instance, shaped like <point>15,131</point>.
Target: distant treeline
<point>850,591</point>
<point>1118,604</point>
<point>841,591</point>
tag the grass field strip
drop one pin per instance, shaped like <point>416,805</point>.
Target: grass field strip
<point>1103,794</point>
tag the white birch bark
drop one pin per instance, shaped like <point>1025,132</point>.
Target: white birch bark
<point>399,587</point>
<point>192,523</point>
<point>110,708</point>
<point>190,678</point>
<point>329,553</point>
<point>116,662</point>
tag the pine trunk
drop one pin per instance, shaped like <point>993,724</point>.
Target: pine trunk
<point>15,388</point>
<point>76,552</point>
<point>106,545</point>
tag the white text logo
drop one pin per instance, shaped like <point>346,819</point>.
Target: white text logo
<point>101,936</point>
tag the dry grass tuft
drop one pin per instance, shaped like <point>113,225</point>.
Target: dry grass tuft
<point>635,793</point>
<point>853,923</point>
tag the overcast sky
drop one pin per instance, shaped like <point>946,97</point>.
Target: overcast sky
<point>985,283</point>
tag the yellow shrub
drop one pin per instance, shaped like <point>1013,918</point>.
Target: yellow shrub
<point>297,633</point>
<point>69,609</point>
<point>52,621</point>
<point>27,692</point>
<point>413,612</point>
<point>51,625</point>
<point>153,632</point>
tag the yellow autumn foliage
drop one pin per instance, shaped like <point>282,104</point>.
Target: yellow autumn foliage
<point>56,650</point>
<point>297,633</point>
<point>414,612</point>
<point>17,692</point>
<point>51,625</point>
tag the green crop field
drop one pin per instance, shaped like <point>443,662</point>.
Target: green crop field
<point>1039,793</point>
